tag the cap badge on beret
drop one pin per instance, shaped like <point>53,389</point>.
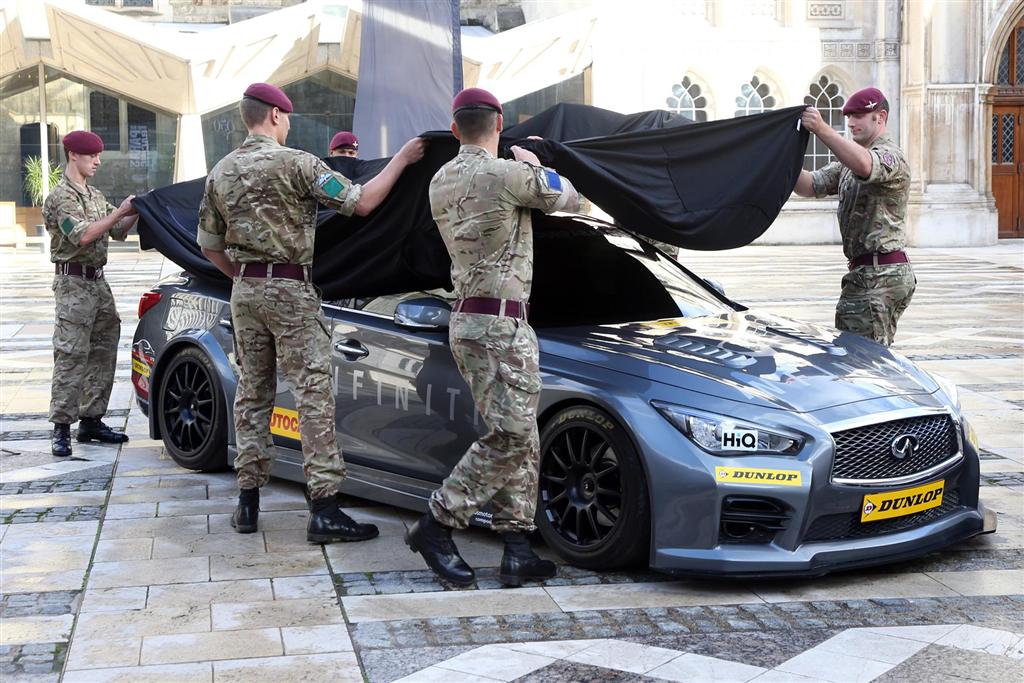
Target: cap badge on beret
<point>269,94</point>
<point>344,139</point>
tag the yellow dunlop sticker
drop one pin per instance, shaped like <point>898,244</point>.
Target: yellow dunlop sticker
<point>758,477</point>
<point>674,322</point>
<point>878,506</point>
<point>284,422</point>
<point>140,367</point>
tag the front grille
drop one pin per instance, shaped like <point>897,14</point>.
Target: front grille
<point>866,452</point>
<point>847,525</point>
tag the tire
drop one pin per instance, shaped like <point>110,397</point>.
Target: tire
<point>192,413</point>
<point>592,507</point>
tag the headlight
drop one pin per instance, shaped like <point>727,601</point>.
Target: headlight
<point>948,388</point>
<point>722,435</point>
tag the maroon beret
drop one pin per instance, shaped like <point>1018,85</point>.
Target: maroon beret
<point>344,139</point>
<point>475,98</point>
<point>83,142</point>
<point>864,101</point>
<point>270,94</point>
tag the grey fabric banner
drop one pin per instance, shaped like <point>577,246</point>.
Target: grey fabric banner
<point>407,72</point>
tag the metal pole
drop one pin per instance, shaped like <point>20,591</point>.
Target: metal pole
<point>44,143</point>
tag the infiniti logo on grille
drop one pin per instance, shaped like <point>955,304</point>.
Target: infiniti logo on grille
<point>903,445</point>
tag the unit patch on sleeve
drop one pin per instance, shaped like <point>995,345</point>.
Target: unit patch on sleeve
<point>552,180</point>
<point>330,184</point>
<point>67,226</point>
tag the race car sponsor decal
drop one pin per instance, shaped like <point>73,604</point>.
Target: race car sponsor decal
<point>143,359</point>
<point>736,439</point>
<point>877,506</point>
<point>673,322</point>
<point>285,422</point>
<point>140,367</point>
<point>190,312</point>
<point>758,476</point>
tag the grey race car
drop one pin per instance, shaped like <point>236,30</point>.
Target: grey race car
<point>678,428</point>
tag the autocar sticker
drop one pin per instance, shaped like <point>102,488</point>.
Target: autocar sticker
<point>285,422</point>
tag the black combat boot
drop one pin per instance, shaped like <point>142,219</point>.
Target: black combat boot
<point>329,524</point>
<point>93,429</point>
<point>247,513</point>
<point>520,563</point>
<point>433,541</point>
<point>60,442</point>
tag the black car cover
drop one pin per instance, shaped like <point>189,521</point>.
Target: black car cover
<point>715,185</point>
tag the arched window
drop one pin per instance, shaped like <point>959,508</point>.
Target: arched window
<point>827,97</point>
<point>688,99</point>
<point>755,97</point>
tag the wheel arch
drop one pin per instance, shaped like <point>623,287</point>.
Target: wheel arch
<point>581,400</point>
<point>206,342</point>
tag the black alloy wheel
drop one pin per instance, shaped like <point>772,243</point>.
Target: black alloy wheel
<point>192,412</point>
<point>592,497</point>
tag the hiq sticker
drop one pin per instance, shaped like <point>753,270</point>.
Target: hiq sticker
<point>735,439</point>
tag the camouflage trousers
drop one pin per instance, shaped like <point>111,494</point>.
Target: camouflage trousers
<point>86,332</point>
<point>874,298</point>
<point>280,328</point>
<point>498,357</point>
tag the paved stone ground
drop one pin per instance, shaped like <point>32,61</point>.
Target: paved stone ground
<point>117,565</point>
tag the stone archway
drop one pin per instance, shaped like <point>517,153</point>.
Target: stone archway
<point>1003,116</point>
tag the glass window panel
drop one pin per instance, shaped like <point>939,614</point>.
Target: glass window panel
<point>323,104</point>
<point>754,98</point>
<point>569,91</point>
<point>1008,139</point>
<point>105,119</point>
<point>687,100</point>
<point>1003,76</point>
<point>1019,67</point>
<point>995,139</point>
<point>829,101</point>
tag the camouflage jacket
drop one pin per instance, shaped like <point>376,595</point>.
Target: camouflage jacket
<point>872,210</point>
<point>481,205</point>
<point>261,199</point>
<point>67,212</point>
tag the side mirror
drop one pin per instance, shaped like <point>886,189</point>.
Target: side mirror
<point>426,313</point>
<point>715,285</point>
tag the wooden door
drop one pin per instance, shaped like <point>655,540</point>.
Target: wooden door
<point>1007,163</point>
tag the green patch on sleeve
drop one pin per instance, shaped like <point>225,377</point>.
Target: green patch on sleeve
<point>67,226</point>
<point>333,187</point>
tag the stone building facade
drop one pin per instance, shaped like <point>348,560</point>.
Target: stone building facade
<point>949,70</point>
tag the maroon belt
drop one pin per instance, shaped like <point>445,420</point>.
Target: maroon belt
<point>879,259</point>
<point>78,270</point>
<point>488,306</point>
<point>289,271</point>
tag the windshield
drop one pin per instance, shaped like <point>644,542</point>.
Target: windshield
<point>589,273</point>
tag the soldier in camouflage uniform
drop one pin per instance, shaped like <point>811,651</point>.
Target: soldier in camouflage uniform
<point>872,179</point>
<point>86,325</point>
<point>482,207</point>
<point>257,225</point>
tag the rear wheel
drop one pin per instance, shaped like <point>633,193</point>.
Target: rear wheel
<point>192,412</point>
<point>593,507</point>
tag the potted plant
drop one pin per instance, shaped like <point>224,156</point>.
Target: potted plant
<point>32,217</point>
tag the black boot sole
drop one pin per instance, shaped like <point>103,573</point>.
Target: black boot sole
<point>61,455</point>
<point>87,439</point>
<point>243,528</point>
<point>339,538</point>
<point>514,580</point>
<point>414,548</point>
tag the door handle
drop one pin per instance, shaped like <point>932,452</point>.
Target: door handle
<point>351,349</point>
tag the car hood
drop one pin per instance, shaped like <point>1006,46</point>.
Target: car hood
<point>760,359</point>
